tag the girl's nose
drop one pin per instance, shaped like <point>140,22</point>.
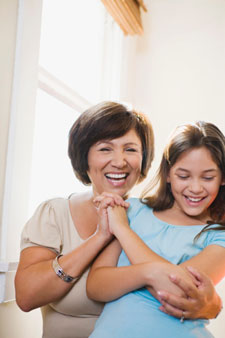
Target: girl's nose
<point>195,186</point>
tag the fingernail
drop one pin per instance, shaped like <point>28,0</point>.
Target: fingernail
<point>160,294</point>
<point>173,277</point>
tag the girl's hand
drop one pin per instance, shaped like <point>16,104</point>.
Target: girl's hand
<point>200,302</point>
<point>117,217</point>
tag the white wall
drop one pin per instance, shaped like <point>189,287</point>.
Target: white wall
<point>17,97</point>
<point>179,74</point>
<point>180,65</point>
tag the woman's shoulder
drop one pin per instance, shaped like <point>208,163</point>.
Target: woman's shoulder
<point>56,203</point>
<point>51,211</point>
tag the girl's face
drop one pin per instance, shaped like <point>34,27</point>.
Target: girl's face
<point>115,165</point>
<point>195,181</point>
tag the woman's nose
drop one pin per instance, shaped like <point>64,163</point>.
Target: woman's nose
<point>118,159</point>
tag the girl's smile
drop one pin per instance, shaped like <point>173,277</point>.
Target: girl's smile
<point>195,180</point>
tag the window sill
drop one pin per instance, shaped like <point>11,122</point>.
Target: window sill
<point>7,275</point>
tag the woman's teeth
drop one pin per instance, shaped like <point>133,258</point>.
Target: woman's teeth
<point>116,176</point>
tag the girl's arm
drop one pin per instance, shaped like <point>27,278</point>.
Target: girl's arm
<point>207,301</point>
<point>107,282</point>
<point>210,261</point>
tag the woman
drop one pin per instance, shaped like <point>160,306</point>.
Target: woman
<point>111,148</point>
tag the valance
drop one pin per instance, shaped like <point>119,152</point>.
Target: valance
<point>127,13</point>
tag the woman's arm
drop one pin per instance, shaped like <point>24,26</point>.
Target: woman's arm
<point>36,282</point>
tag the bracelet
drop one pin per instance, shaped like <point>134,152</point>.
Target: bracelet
<point>60,273</point>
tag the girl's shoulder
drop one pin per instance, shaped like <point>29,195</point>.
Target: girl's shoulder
<point>136,206</point>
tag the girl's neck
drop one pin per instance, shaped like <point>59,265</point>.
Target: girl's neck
<point>176,216</point>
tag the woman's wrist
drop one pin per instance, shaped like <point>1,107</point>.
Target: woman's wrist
<point>102,237</point>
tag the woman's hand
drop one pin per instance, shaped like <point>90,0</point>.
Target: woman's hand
<point>110,199</point>
<point>105,204</point>
<point>200,302</point>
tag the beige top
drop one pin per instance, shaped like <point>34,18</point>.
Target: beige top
<point>74,315</point>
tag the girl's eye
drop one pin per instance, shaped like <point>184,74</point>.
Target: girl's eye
<point>209,178</point>
<point>183,177</point>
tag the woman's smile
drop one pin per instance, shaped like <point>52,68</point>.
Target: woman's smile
<point>115,165</point>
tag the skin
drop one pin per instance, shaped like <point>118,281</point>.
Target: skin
<point>194,191</point>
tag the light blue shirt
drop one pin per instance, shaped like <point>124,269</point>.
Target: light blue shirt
<point>137,314</point>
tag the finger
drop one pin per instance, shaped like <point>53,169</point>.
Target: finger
<point>172,311</point>
<point>117,200</point>
<point>98,199</point>
<point>189,288</point>
<point>171,301</point>
<point>199,276</point>
<point>106,202</point>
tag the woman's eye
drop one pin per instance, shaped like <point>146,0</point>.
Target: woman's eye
<point>104,149</point>
<point>131,149</point>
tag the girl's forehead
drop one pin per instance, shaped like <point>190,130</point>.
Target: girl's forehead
<point>196,157</point>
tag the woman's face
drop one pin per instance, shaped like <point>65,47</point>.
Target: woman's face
<point>115,165</point>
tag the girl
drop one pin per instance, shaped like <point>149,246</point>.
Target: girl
<point>183,222</point>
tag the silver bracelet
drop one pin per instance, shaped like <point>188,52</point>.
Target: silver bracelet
<point>60,273</point>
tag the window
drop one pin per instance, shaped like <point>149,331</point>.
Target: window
<point>71,76</point>
<point>80,63</point>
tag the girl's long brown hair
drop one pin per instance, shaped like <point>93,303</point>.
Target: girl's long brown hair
<point>186,137</point>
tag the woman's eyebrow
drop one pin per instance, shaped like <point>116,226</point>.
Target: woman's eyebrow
<point>111,142</point>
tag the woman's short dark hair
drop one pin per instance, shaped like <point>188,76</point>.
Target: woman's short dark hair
<point>107,120</point>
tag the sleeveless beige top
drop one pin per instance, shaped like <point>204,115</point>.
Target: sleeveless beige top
<point>74,315</point>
